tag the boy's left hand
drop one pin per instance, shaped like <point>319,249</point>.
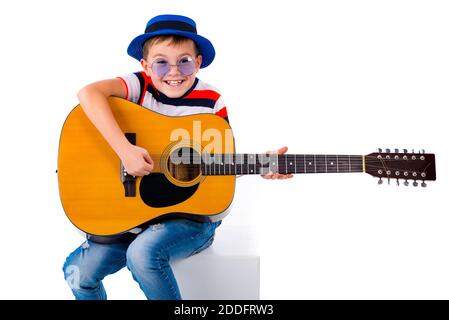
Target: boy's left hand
<point>273,176</point>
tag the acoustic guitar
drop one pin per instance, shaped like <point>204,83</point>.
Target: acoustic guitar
<point>195,168</point>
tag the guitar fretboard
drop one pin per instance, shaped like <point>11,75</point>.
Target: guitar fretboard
<point>242,164</point>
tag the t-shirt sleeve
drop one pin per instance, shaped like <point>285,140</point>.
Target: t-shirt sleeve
<point>220,109</point>
<point>133,85</point>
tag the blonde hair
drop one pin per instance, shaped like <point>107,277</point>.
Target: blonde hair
<point>174,40</point>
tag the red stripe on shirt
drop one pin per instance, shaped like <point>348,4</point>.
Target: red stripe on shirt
<point>146,77</point>
<point>126,87</point>
<point>143,93</point>
<point>222,112</point>
<point>203,94</point>
<point>148,81</point>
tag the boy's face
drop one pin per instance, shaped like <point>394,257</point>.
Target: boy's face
<point>178,79</point>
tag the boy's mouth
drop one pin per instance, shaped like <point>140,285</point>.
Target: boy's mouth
<point>174,83</point>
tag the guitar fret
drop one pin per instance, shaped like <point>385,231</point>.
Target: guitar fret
<point>217,167</point>
<point>295,164</point>
<point>231,164</point>
<point>325,161</point>
<point>223,164</point>
<point>337,164</point>
<point>253,163</point>
<point>205,163</point>
<point>304,168</point>
<point>286,165</point>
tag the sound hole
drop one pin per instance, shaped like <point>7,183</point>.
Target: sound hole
<point>184,164</point>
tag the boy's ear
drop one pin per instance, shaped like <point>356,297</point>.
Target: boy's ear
<point>199,60</point>
<point>143,63</point>
<point>145,66</point>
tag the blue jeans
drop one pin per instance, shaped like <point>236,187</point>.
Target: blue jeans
<point>147,257</point>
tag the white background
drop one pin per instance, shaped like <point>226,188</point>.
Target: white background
<point>340,77</point>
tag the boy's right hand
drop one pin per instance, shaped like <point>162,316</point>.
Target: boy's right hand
<point>137,161</point>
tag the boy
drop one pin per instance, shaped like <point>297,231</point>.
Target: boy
<point>171,53</point>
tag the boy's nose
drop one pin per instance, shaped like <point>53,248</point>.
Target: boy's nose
<point>174,70</point>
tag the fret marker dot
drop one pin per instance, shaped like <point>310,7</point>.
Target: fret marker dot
<point>310,163</point>
<point>332,163</point>
<point>291,163</point>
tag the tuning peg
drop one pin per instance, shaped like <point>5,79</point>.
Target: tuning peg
<point>397,182</point>
<point>380,181</point>
<point>423,151</point>
<point>415,184</point>
<point>413,150</point>
<point>406,183</point>
<point>388,180</point>
<point>387,150</point>
<point>423,184</point>
<point>379,150</point>
<point>396,150</point>
<point>405,150</point>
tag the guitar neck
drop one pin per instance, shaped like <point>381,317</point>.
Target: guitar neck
<point>248,163</point>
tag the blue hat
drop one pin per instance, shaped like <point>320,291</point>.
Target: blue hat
<point>168,24</point>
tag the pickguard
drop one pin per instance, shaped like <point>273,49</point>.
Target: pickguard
<point>157,191</point>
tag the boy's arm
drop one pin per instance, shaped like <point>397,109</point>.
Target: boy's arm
<point>93,100</point>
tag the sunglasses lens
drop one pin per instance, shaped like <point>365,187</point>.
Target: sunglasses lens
<point>186,67</point>
<point>160,68</point>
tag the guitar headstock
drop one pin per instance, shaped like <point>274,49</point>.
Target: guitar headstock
<point>404,165</point>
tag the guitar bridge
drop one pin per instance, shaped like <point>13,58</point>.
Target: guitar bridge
<point>129,181</point>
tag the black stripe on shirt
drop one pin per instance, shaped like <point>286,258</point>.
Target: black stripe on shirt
<point>142,86</point>
<point>196,102</point>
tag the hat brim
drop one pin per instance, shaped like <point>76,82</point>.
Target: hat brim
<point>205,46</point>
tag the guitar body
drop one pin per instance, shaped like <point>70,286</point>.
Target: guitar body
<point>90,174</point>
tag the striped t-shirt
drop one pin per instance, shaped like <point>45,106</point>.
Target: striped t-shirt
<point>200,98</point>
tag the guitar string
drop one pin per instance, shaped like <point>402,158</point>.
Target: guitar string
<point>246,155</point>
<point>246,170</point>
<point>343,161</point>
